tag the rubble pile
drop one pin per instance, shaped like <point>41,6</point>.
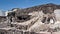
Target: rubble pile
<point>33,20</point>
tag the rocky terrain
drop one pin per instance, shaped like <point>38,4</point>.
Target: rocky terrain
<point>42,19</point>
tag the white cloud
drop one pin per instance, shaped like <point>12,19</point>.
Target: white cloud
<point>2,13</point>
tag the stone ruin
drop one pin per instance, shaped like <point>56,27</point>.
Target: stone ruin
<point>32,20</point>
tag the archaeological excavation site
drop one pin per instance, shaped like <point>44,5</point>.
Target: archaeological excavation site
<point>41,19</point>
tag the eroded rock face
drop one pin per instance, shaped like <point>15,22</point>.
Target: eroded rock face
<point>30,19</point>
<point>46,8</point>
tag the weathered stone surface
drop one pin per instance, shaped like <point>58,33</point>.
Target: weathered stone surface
<point>56,33</point>
<point>29,20</point>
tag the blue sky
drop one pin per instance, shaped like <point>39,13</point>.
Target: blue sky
<point>9,4</point>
